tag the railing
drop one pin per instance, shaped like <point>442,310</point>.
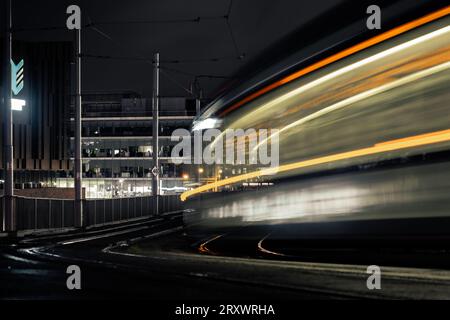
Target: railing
<point>53,214</point>
<point>106,211</point>
<point>135,114</point>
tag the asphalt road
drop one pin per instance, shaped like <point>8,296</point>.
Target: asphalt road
<point>36,270</point>
<point>152,260</point>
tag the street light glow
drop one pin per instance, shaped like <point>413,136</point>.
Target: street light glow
<point>206,124</point>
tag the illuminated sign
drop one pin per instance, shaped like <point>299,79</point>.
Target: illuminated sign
<point>18,104</point>
<point>17,84</point>
<point>17,77</point>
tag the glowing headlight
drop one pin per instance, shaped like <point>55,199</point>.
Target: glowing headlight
<point>206,124</point>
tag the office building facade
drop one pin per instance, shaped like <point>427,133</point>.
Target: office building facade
<point>41,143</point>
<point>117,145</point>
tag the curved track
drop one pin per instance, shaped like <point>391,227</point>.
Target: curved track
<point>153,260</point>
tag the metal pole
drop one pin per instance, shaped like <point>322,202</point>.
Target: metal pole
<point>9,219</point>
<point>78,160</point>
<point>155,171</point>
<point>198,107</point>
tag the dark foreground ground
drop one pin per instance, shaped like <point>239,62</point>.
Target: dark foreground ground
<point>156,260</point>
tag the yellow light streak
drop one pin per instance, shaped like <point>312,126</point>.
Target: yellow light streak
<point>393,145</point>
<point>343,54</point>
<point>333,75</point>
<point>359,97</point>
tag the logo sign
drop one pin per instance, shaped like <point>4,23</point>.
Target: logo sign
<point>17,84</point>
<point>17,77</point>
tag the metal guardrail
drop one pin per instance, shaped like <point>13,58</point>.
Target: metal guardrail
<point>53,214</point>
<point>139,113</point>
<point>38,214</point>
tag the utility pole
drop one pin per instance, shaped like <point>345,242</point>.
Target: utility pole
<point>198,107</point>
<point>156,169</point>
<point>9,218</point>
<point>78,165</point>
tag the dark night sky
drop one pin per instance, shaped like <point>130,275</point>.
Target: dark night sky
<point>257,24</point>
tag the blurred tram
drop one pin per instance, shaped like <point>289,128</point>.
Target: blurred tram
<point>364,135</point>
